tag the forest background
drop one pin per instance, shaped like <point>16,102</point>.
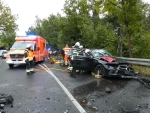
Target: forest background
<point>121,27</point>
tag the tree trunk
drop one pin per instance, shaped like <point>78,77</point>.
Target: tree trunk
<point>129,44</point>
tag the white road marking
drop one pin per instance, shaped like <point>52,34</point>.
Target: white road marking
<point>78,106</point>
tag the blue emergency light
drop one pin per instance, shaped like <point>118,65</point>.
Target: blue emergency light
<point>31,34</point>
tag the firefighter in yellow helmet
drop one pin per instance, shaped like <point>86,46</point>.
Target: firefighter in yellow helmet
<point>28,53</point>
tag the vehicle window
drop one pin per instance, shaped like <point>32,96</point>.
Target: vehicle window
<point>43,45</point>
<point>107,53</point>
<point>97,54</point>
<point>5,52</point>
<point>100,53</point>
<point>34,46</point>
<point>21,45</point>
<point>79,52</point>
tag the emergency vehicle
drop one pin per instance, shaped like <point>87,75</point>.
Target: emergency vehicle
<point>16,53</point>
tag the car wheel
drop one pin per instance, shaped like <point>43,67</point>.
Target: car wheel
<point>11,65</point>
<point>99,69</point>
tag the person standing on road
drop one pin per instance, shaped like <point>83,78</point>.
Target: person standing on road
<point>66,50</point>
<point>75,51</point>
<point>28,53</point>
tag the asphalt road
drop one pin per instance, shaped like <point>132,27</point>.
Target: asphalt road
<point>55,91</point>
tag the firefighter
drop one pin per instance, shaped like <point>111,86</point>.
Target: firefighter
<point>66,50</point>
<point>76,49</point>
<point>77,45</point>
<point>28,53</point>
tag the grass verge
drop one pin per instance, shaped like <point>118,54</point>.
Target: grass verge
<point>142,70</point>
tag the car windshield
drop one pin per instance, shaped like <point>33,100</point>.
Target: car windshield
<point>100,53</point>
<point>21,45</point>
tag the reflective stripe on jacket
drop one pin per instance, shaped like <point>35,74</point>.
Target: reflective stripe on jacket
<point>30,54</point>
<point>66,50</point>
<point>75,52</point>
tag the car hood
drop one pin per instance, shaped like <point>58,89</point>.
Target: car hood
<point>108,59</point>
<point>16,52</point>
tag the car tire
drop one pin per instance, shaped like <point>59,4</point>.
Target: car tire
<point>11,65</point>
<point>99,69</point>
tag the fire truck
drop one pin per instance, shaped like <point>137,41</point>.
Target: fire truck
<point>16,53</point>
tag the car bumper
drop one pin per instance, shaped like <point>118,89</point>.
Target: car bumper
<point>117,73</point>
<point>15,62</point>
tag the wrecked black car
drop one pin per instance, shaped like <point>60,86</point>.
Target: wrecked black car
<point>100,62</point>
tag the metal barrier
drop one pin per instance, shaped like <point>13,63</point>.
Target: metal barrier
<point>138,61</point>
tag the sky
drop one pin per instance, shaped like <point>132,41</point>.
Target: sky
<point>28,9</point>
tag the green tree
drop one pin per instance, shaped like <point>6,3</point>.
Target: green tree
<point>7,20</point>
<point>7,39</point>
<point>129,14</point>
<point>8,25</point>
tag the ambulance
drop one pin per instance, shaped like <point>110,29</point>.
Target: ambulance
<point>16,53</point>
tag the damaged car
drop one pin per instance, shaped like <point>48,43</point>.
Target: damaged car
<point>100,62</point>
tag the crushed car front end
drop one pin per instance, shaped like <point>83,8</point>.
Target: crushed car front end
<point>119,69</point>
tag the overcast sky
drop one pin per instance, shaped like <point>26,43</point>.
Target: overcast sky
<point>28,9</point>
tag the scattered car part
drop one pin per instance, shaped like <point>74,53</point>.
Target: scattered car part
<point>108,90</point>
<point>5,98</point>
<point>1,106</point>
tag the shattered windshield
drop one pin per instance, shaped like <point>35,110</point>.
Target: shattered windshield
<point>100,53</point>
<point>21,45</point>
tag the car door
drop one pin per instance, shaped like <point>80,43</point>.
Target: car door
<point>80,61</point>
<point>84,62</point>
<point>77,60</point>
<point>88,63</point>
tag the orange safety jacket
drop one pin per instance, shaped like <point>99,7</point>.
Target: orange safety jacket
<point>30,54</point>
<point>66,50</point>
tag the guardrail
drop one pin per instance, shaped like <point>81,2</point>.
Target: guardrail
<point>138,61</point>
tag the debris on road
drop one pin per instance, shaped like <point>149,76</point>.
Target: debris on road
<point>143,106</point>
<point>52,60</point>
<point>108,90</point>
<point>127,111</point>
<point>2,106</point>
<point>145,82</point>
<point>96,76</point>
<point>5,98</point>
<point>2,111</point>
